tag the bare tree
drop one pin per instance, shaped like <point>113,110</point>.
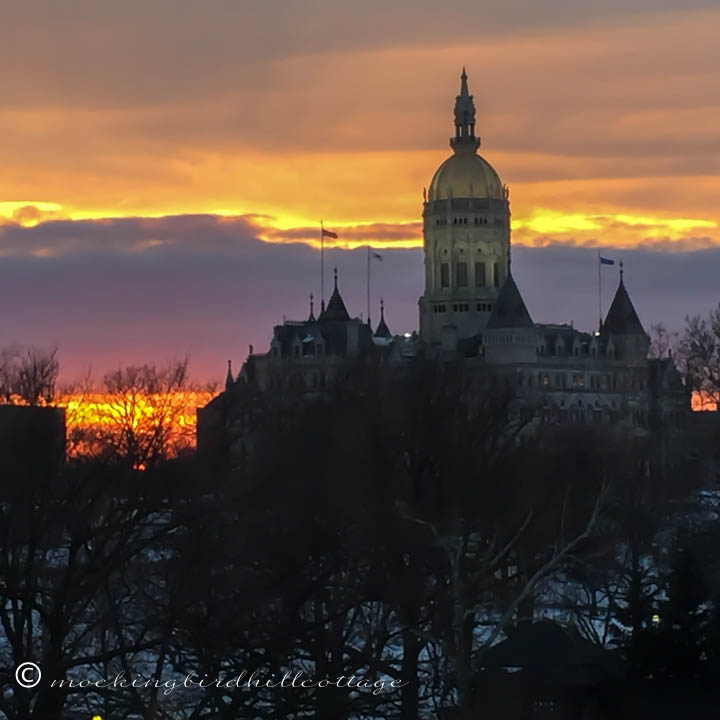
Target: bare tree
<point>28,375</point>
<point>79,556</point>
<point>7,373</point>
<point>504,511</point>
<point>138,416</point>
<point>699,356</point>
<point>662,341</point>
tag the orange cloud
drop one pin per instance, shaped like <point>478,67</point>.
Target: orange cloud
<point>605,127</point>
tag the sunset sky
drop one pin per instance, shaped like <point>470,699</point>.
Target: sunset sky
<point>603,119</point>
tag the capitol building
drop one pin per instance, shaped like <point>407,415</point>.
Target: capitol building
<point>471,314</point>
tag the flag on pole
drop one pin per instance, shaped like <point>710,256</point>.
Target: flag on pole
<point>328,233</point>
<point>376,255</point>
<point>606,261</point>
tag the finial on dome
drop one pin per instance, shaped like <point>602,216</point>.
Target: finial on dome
<point>464,119</point>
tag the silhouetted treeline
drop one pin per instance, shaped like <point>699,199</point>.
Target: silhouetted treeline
<point>393,534</point>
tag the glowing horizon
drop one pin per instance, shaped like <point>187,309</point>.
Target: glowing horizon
<point>542,226</point>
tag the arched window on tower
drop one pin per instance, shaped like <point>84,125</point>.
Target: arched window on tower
<point>480,279</point>
<point>444,275</point>
<point>461,274</point>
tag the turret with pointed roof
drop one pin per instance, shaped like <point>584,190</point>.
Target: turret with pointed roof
<point>335,310</point>
<point>622,319</point>
<point>623,326</point>
<point>383,331</point>
<point>510,335</point>
<point>510,310</point>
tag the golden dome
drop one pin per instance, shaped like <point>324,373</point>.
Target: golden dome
<point>465,175</point>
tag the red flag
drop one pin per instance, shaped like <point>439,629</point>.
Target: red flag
<point>327,233</point>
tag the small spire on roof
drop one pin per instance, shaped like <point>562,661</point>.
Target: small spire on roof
<point>383,331</point>
<point>229,379</point>
<point>621,270</point>
<point>312,311</point>
<point>335,273</point>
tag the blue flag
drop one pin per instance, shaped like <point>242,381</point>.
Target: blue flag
<point>606,261</point>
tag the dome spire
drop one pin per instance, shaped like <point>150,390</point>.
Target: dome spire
<point>464,119</point>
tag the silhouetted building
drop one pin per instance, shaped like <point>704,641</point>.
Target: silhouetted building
<point>545,670</point>
<point>471,315</point>
<point>32,441</point>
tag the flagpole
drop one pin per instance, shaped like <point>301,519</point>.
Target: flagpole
<point>599,295</point>
<point>322,267</point>
<point>368,285</point>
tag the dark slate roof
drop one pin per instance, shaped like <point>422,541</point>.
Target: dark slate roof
<point>509,310</point>
<point>335,309</point>
<point>551,649</point>
<point>622,318</point>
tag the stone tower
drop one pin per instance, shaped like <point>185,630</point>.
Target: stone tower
<point>466,233</point>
